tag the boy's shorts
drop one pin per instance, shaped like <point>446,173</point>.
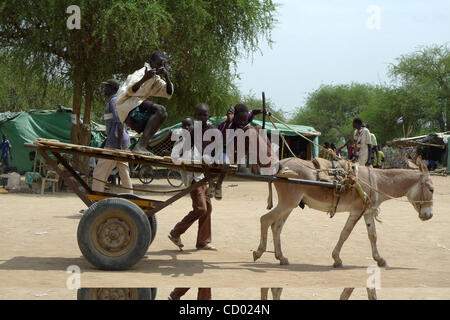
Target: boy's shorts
<point>137,119</point>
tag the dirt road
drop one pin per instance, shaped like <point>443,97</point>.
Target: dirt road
<point>38,243</point>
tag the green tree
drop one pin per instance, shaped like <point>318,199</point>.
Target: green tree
<point>332,108</point>
<point>204,43</point>
<point>202,40</point>
<point>22,91</point>
<point>428,72</point>
<point>387,104</point>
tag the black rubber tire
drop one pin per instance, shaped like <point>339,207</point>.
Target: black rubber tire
<point>146,179</point>
<point>154,292</point>
<point>138,293</point>
<point>111,208</point>
<point>174,178</point>
<point>154,226</point>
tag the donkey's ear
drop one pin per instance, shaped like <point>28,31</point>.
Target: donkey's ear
<point>422,166</point>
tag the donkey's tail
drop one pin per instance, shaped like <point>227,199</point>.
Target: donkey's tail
<point>270,197</point>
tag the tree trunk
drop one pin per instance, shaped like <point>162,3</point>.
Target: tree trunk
<point>85,127</point>
<point>80,133</point>
<point>408,130</point>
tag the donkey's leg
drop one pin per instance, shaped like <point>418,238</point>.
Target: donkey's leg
<point>372,232</point>
<point>277,226</point>
<point>349,225</point>
<point>267,220</point>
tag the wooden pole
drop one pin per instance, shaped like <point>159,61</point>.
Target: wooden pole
<point>264,110</point>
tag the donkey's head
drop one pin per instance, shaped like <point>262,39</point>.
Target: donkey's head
<point>421,193</point>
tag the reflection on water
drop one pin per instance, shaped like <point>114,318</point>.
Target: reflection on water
<point>202,293</point>
<point>116,294</point>
<point>179,294</point>
<point>371,293</point>
<point>276,293</point>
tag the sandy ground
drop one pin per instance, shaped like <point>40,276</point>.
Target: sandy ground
<point>38,243</point>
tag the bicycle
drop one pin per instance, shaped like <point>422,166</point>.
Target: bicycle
<point>146,175</point>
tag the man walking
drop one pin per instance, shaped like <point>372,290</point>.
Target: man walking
<point>374,144</point>
<point>362,143</point>
<point>201,203</point>
<point>116,138</point>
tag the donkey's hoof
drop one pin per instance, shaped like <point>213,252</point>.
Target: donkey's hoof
<point>256,256</point>
<point>382,263</point>
<point>338,265</point>
<point>284,261</point>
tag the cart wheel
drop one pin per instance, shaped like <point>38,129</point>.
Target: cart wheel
<point>154,226</point>
<point>145,174</point>
<point>114,234</point>
<point>116,294</point>
<point>174,178</point>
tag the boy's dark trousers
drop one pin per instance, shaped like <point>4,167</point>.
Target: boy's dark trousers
<point>202,209</point>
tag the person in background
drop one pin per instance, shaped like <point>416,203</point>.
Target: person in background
<point>324,150</point>
<point>362,151</point>
<point>374,143</point>
<point>6,148</point>
<point>116,138</point>
<point>379,160</point>
<point>349,145</point>
<point>337,153</point>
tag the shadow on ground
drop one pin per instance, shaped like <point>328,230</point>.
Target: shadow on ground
<point>169,267</point>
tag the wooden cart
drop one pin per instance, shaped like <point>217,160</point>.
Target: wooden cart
<point>116,230</point>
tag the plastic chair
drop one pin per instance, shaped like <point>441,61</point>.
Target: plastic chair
<point>52,177</point>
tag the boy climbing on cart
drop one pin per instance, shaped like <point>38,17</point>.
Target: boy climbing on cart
<point>140,114</point>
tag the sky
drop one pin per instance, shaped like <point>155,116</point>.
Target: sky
<point>338,42</point>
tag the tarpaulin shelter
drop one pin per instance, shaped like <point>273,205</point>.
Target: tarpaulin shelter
<point>26,127</point>
<point>434,146</point>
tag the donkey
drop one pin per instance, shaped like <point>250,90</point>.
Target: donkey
<point>416,185</point>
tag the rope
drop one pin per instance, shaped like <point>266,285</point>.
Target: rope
<point>137,189</point>
<point>284,140</point>
<point>301,135</point>
<point>388,196</point>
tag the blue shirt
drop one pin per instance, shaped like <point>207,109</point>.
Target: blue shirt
<point>5,145</point>
<point>113,122</point>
